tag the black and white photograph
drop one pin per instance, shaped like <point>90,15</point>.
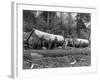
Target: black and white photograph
<point>55,39</point>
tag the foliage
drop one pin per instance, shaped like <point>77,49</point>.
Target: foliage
<point>65,24</point>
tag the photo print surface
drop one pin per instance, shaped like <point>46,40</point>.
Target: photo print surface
<point>56,39</point>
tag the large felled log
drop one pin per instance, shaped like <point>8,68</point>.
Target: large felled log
<point>48,36</point>
<point>60,52</point>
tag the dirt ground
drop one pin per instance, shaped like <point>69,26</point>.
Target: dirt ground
<point>37,59</point>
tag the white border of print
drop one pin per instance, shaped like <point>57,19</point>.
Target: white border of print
<point>17,48</point>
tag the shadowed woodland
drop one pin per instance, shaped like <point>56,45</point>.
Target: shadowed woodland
<point>62,23</point>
